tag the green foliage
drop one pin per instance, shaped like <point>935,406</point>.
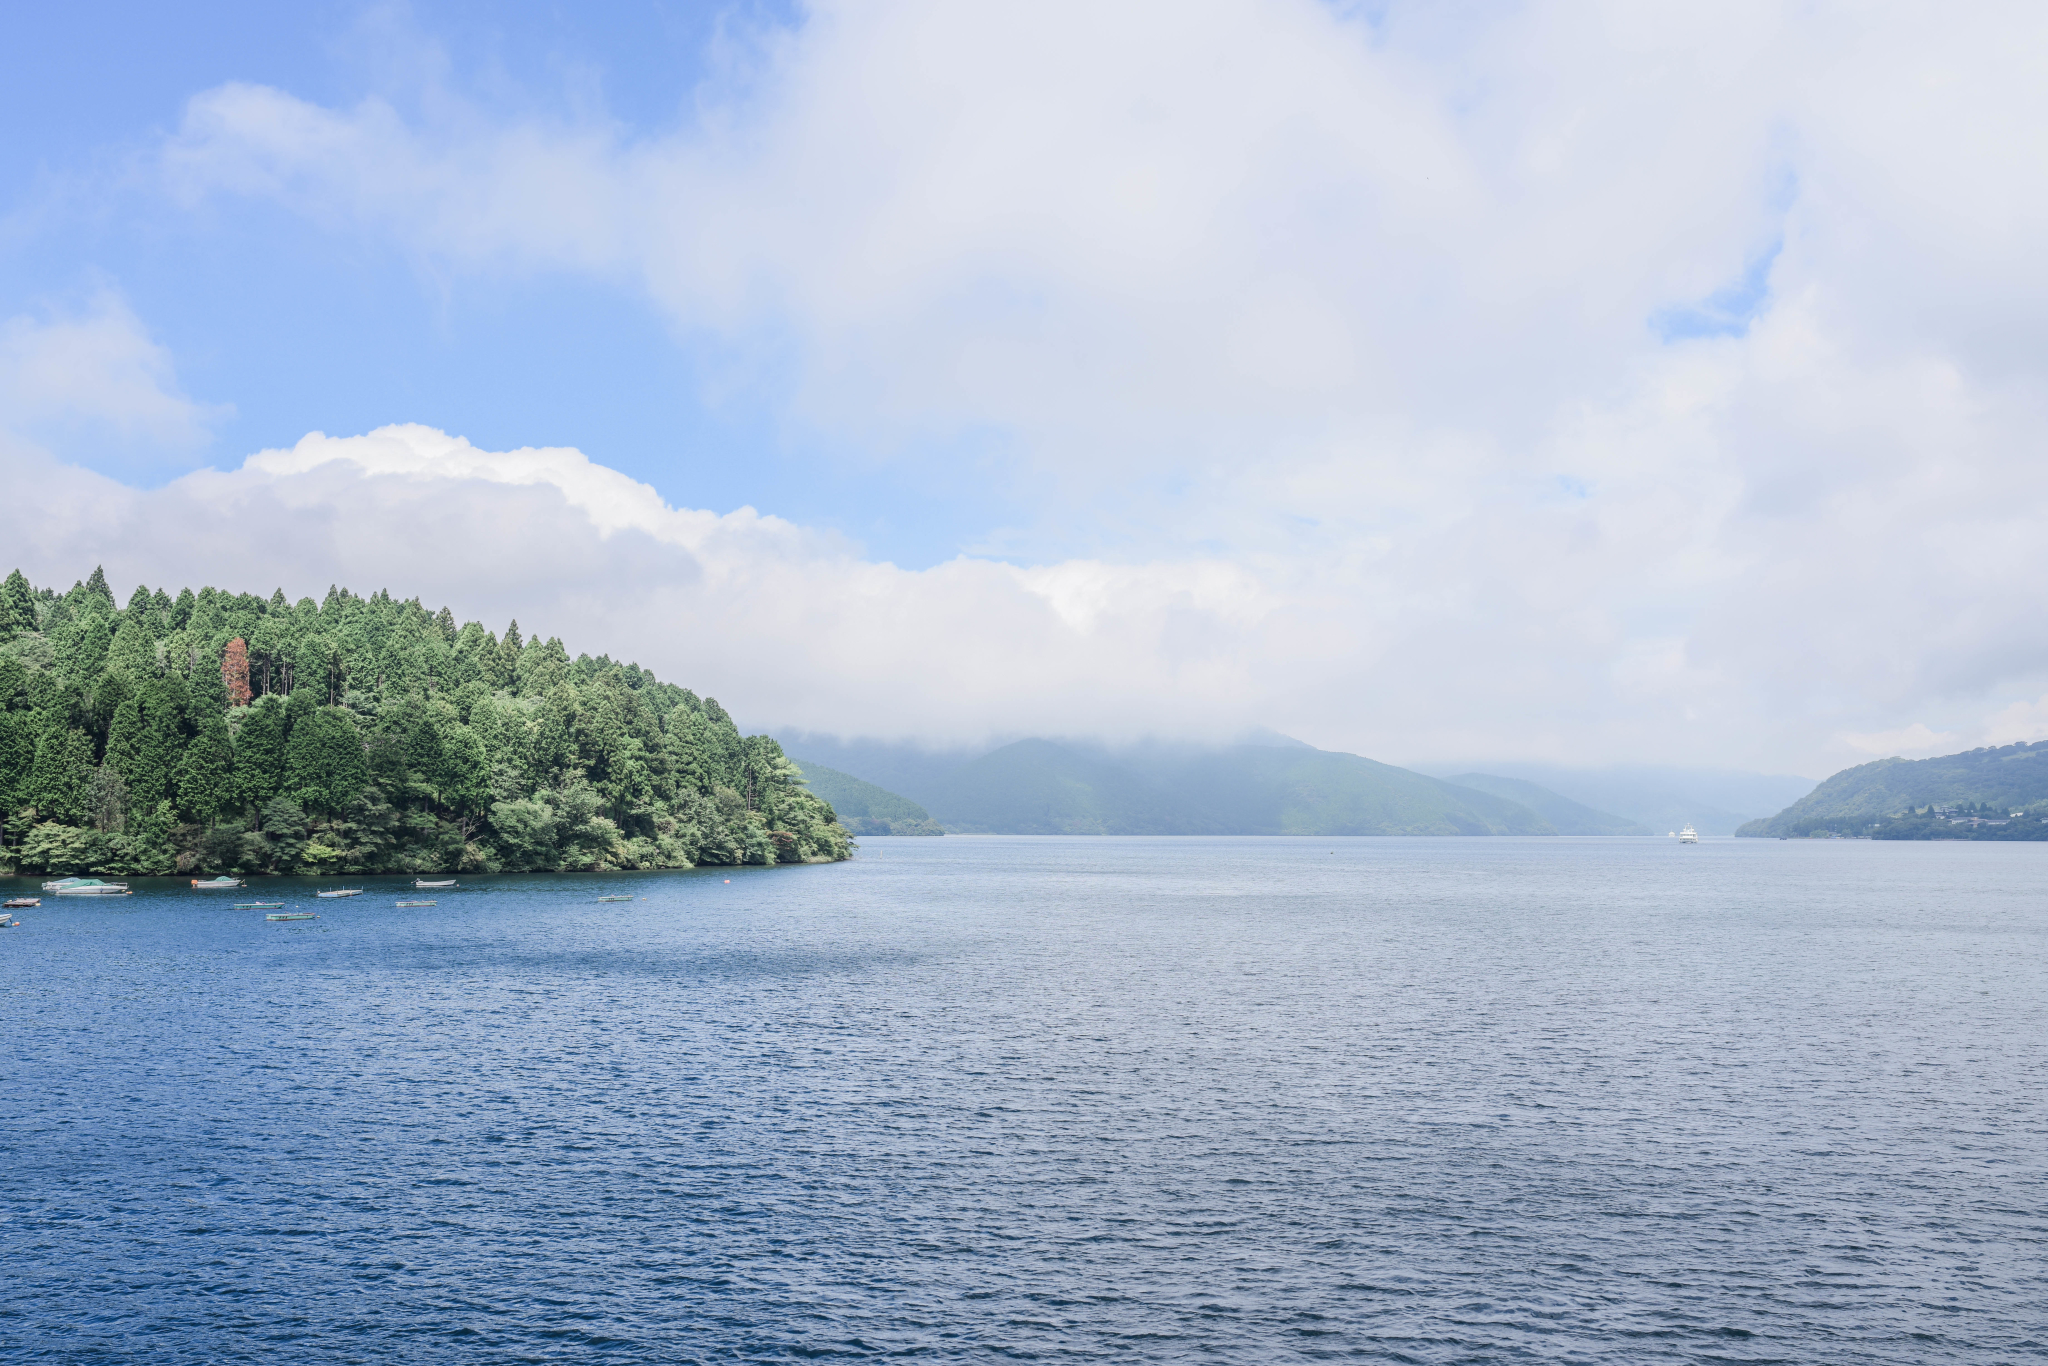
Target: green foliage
<point>864,808</point>
<point>1991,783</point>
<point>378,735</point>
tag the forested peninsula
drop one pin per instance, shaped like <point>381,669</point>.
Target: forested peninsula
<point>1994,793</point>
<point>215,732</point>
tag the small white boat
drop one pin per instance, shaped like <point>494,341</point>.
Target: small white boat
<point>218,884</point>
<point>62,882</point>
<point>422,883</point>
<point>1688,836</point>
<point>344,891</point>
<point>89,886</point>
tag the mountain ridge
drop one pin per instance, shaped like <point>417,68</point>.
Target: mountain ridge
<point>1907,798</point>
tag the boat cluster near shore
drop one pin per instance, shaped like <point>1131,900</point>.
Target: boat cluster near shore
<point>273,910</point>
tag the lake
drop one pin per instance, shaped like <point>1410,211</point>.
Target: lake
<point>1242,1100</point>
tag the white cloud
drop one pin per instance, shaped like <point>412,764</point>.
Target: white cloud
<point>779,622</point>
<point>96,375</point>
<point>1353,329</point>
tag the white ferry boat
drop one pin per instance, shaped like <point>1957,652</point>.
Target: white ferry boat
<point>1688,836</point>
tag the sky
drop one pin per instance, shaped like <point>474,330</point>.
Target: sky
<point>1550,383</point>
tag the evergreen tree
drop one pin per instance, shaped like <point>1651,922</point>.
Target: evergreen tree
<point>17,756</point>
<point>509,650</point>
<point>133,650</point>
<point>58,781</point>
<point>96,586</point>
<point>17,606</point>
<point>81,643</point>
<point>324,767</point>
<point>109,691</point>
<point>124,742</point>
<point>259,754</point>
<point>465,779</point>
<point>162,745</point>
<point>205,779</point>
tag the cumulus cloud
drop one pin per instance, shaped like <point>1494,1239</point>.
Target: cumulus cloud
<point>1553,381</point>
<point>783,623</point>
<point>95,375</point>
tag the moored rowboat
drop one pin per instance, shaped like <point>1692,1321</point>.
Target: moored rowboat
<point>343,891</point>
<point>416,903</point>
<point>259,905</point>
<point>293,915</point>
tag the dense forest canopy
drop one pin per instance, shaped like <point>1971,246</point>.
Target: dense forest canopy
<point>221,732</point>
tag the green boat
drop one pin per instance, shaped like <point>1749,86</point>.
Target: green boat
<point>259,905</point>
<point>293,915</point>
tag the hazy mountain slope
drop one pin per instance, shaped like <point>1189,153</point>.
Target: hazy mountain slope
<point>1566,816</point>
<point>1040,787</point>
<point>1267,791</point>
<point>2014,777</point>
<point>864,808</point>
<point>1713,801</point>
<point>911,770</point>
<point>1035,787</point>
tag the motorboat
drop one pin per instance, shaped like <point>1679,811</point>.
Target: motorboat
<point>259,905</point>
<point>341,891</point>
<point>1688,836</point>
<point>415,903</point>
<point>62,882</point>
<point>293,915</point>
<point>615,898</point>
<point>88,886</point>
<point>218,884</point>
<point>423,885</point>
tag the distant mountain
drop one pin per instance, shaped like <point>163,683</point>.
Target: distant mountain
<point>1566,816</point>
<point>1986,784</point>
<point>1712,801</point>
<point>1035,787</point>
<point>1270,786</point>
<point>864,808</point>
<point>897,765</point>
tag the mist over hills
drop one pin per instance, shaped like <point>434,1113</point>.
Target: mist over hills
<point>1266,785</point>
<point>1663,798</point>
<point>1565,816</point>
<point>865,809</point>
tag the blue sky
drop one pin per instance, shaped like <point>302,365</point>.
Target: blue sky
<point>1490,383</point>
<point>297,328</point>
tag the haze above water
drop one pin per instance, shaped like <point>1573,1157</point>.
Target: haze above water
<point>1121,1099</point>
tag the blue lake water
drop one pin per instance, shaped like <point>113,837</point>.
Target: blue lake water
<point>1453,1100</point>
